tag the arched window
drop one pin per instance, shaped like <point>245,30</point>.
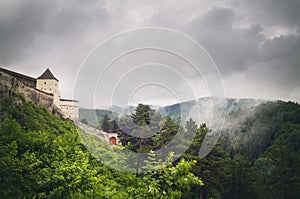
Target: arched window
<point>113,140</point>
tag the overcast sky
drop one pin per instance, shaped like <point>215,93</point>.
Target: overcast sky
<point>255,45</point>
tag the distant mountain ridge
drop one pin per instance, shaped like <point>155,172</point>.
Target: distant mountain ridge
<point>206,106</point>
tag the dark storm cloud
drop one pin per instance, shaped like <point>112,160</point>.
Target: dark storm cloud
<point>29,27</point>
<point>280,47</point>
<point>260,53</point>
<point>231,47</point>
<point>272,12</point>
<point>256,44</point>
<point>20,22</point>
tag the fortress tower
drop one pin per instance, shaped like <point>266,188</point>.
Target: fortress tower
<point>49,84</point>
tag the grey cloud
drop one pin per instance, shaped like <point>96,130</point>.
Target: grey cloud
<point>257,41</point>
<point>18,27</point>
<point>30,26</point>
<point>232,48</point>
<point>274,12</point>
<point>217,19</point>
<point>262,63</point>
<point>280,47</point>
<point>275,77</point>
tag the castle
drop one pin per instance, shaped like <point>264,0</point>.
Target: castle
<point>43,91</point>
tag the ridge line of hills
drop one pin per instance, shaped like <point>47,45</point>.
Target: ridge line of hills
<point>94,116</point>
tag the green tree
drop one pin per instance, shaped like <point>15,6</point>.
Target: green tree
<point>136,129</point>
<point>142,115</point>
<point>166,133</point>
<point>105,124</point>
<point>167,181</point>
<point>277,169</point>
<point>114,125</point>
<point>214,168</point>
<point>242,179</point>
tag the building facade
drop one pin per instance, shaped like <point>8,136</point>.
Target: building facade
<point>69,108</point>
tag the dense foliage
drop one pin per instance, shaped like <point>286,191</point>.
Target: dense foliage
<point>41,156</point>
<point>266,144</point>
<point>257,155</point>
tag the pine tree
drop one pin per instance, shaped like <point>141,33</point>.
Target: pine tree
<point>114,126</point>
<point>105,124</point>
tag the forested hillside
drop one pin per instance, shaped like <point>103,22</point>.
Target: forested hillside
<point>45,156</point>
<point>265,142</point>
<point>41,156</point>
<point>257,156</point>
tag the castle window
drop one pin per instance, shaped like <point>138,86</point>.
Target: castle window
<point>45,82</point>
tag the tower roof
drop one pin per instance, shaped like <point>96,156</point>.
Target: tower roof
<point>47,75</point>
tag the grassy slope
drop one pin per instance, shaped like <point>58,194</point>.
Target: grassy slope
<point>42,156</point>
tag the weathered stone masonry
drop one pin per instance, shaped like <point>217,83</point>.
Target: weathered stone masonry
<point>43,91</point>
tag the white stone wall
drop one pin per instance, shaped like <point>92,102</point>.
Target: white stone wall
<point>69,109</point>
<point>50,86</point>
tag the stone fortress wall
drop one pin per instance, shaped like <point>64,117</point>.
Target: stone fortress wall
<point>10,84</point>
<point>29,81</point>
<point>43,91</point>
<point>69,107</point>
